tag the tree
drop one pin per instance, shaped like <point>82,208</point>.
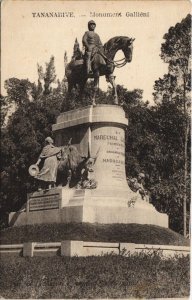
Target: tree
<point>4,107</point>
<point>165,89</point>
<point>167,191</point>
<point>23,136</point>
<point>152,140</point>
<point>19,91</point>
<point>49,76</point>
<point>176,85</point>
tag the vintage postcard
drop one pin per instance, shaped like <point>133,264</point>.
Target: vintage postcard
<point>95,149</point>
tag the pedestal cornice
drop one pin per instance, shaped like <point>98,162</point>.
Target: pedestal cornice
<point>102,113</point>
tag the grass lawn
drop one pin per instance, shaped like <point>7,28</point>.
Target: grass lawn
<point>109,276</point>
<point>130,233</point>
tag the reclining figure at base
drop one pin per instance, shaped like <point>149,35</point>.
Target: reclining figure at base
<point>136,185</point>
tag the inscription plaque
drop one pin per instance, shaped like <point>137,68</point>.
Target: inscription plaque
<point>110,164</point>
<point>44,202</point>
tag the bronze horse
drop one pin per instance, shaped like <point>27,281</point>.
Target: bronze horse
<point>73,168</point>
<point>70,166</point>
<point>102,63</point>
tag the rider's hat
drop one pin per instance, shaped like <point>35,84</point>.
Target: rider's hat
<point>91,22</point>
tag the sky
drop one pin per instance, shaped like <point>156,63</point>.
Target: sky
<point>28,39</point>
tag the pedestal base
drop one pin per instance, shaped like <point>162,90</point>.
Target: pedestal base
<point>92,206</point>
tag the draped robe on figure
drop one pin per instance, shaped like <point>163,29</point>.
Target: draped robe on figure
<point>50,154</point>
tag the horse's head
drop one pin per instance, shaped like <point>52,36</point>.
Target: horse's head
<point>127,48</point>
<point>64,152</point>
<point>123,43</point>
<point>71,157</point>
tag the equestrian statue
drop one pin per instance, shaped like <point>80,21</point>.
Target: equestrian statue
<point>97,61</point>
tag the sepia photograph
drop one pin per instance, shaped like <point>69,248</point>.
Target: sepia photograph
<point>95,149</point>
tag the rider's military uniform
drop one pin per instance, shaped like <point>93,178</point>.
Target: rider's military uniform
<point>90,41</point>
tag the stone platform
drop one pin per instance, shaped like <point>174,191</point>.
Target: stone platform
<point>96,132</point>
<point>64,205</point>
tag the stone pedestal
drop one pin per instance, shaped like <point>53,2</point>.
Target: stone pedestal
<point>99,132</point>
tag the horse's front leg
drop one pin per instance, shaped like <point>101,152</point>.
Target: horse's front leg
<point>70,86</point>
<point>95,88</point>
<point>82,87</point>
<point>111,79</point>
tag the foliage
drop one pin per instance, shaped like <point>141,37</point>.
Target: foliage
<point>164,88</point>
<point>109,276</point>
<point>176,49</point>
<point>49,75</point>
<point>23,137</point>
<point>19,91</point>
<point>4,107</point>
<point>172,95</point>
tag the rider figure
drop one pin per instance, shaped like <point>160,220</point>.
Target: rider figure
<point>90,41</point>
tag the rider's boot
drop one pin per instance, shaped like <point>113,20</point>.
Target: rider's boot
<point>89,71</point>
<point>88,63</point>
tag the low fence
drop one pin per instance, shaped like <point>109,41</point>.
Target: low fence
<point>16,249</point>
<point>80,248</point>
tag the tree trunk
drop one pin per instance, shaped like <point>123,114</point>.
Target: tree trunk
<point>186,129</point>
<point>185,181</point>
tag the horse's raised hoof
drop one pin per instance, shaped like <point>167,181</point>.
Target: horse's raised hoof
<point>94,104</point>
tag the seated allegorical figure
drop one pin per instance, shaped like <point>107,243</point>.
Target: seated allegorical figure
<point>87,180</point>
<point>136,185</point>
